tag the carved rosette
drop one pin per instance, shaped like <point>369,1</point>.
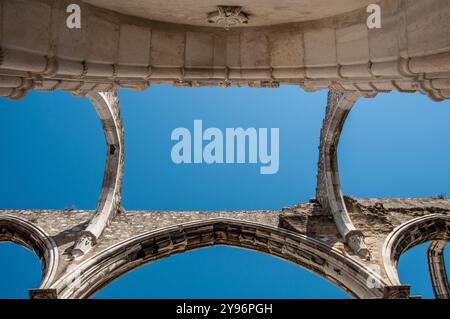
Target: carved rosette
<point>228,16</point>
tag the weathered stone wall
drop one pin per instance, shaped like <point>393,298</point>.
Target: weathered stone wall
<point>375,217</point>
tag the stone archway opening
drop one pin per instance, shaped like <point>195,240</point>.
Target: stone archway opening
<point>394,146</point>
<point>21,231</point>
<point>433,228</point>
<point>413,270</point>
<point>50,141</point>
<point>152,178</point>
<point>97,271</point>
<point>220,272</point>
<point>20,271</point>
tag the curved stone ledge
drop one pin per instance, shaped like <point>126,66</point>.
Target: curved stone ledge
<point>28,235</point>
<point>436,268</point>
<point>411,52</point>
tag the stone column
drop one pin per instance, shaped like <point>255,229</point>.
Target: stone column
<point>397,292</point>
<point>43,294</point>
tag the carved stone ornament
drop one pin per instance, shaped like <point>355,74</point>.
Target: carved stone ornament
<point>355,240</point>
<point>228,16</point>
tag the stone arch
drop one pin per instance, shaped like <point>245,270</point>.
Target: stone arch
<point>107,106</point>
<point>437,270</point>
<point>26,234</point>
<point>344,272</point>
<point>412,233</point>
<point>328,190</point>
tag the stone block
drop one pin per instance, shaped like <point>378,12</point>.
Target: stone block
<point>286,49</point>
<point>167,49</point>
<point>70,42</point>
<point>102,40</point>
<point>397,292</point>
<point>384,42</point>
<point>134,47</point>
<point>26,25</point>
<point>352,44</point>
<point>428,28</point>
<point>320,47</point>
<point>254,49</point>
<point>199,49</point>
<point>233,53</point>
<point>43,294</point>
<point>220,51</point>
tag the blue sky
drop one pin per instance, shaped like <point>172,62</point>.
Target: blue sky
<point>54,151</point>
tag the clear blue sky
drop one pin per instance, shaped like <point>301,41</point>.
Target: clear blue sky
<point>53,154</point>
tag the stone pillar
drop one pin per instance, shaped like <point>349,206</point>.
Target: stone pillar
<point>436,268</point>
<point>397,292</point>
<point>43,294</point>
<point>107,107</point>
<point>328,189</point>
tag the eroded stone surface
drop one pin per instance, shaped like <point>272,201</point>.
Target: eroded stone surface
<point>376,218</point>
